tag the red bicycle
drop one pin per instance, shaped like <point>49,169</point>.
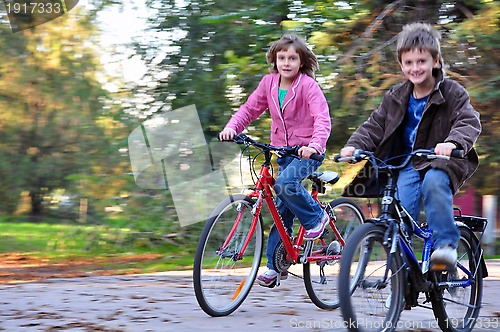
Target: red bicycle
<point>230,246</point>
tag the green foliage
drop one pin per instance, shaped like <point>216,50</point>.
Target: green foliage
<point>476,61</point>
<point>202,33</point>
<point>219,57</point>
<point>111,237</point>
<point>61,131</point>
<point>51,100</point>
<point>110,247</point>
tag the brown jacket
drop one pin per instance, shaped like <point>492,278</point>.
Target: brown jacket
<point>448,117</point>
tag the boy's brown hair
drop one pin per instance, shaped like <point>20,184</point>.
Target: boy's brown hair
<point>420,36</point>
<point>308,59</point>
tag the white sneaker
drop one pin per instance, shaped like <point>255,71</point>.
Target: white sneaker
<point>444,258</point>
<point>270,277</point>
<point>317,231</point>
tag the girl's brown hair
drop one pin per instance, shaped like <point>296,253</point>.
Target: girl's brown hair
<point>308,59</point>
<point>420,36</point>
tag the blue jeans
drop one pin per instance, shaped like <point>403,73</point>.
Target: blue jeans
<point>433,186</point>
<point>293,200</point>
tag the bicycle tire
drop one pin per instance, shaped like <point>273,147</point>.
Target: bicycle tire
<point>320,278</point>
<point>457,308</point>
<point>367,304</point>
<point>221,283</point>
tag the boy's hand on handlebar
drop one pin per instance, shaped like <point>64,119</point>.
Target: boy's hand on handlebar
<point>348,155</point>
<point>227,134</point>
<point>348,151</point>
<point>306,152</point>
<point>444,149</point>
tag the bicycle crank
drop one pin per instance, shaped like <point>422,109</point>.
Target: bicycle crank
<point>280,262</point>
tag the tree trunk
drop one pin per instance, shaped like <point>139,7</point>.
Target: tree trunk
<point>36,205</point>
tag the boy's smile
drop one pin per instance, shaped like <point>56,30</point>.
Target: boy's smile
<point>417,67</point>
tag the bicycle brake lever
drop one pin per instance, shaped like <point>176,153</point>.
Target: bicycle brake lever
<point>359,155</point>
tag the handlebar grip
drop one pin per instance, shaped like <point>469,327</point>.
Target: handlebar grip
<point>457,153</point>
<point>317,157</point>
<point>337,158</point>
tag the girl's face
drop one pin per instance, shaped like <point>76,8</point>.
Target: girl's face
<point>288,64</point>
<point>417,66</point>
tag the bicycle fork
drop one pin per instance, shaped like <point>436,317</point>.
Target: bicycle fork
<point>390,240</point>
<point>241,208</point>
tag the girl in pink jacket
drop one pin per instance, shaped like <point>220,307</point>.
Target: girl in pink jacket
<point>300,116</point>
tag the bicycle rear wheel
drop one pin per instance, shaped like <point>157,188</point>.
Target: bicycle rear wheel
<point>368,300</point>
<point>456,308</point>
<point>321,277</point>
<point>222,279</point>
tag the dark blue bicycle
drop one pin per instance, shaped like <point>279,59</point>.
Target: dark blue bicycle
<point>387,274</point>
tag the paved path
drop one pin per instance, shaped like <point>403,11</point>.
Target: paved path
<point>165,302</point>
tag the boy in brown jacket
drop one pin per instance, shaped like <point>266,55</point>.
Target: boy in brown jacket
<point>427,111</point>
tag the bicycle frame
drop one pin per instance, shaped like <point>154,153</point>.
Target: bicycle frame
<point>229,252</point>
<point>384,269</point>
<point>393,215</point>
<point>263,193</point>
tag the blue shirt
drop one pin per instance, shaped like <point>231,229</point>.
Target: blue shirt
<point>412,119</point>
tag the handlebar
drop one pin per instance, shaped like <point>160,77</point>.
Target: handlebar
<point>280,150</point>
<point>360,155</point>
<point>456,153</point>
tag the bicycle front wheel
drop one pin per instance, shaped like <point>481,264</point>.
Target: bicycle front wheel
<point>370,289</point>
<point>456,307</point>
<point>228,256</point>
<point>321,276</point>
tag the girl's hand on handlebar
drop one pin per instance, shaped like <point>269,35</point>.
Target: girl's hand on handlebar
<point>306,152</point>
<point>444,149</point>
<point>227,134</point>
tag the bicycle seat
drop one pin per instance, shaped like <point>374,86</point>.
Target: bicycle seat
<point>329,177</point>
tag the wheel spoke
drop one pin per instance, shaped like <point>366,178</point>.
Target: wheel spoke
<point>374,298</point>
<point>321,276</point>
<point>458,293</point>
<point>223,278</point>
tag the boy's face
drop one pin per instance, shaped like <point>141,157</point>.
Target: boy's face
<point>417,66</point>
<point>288,64</point>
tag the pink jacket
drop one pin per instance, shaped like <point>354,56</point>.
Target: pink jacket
<point>304,120</point>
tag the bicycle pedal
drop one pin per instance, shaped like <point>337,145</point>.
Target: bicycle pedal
<point>307,252</point>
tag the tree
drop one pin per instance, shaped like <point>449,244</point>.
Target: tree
<point>50,100</point>
<point>192,51</point>
<point>477,64</point>
<point>216,56</point>
<point>367,65</point>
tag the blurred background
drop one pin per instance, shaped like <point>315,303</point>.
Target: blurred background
<point>73,89</point>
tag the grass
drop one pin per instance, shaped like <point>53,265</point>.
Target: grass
<point>117,246</point>
<point>110,248</point>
